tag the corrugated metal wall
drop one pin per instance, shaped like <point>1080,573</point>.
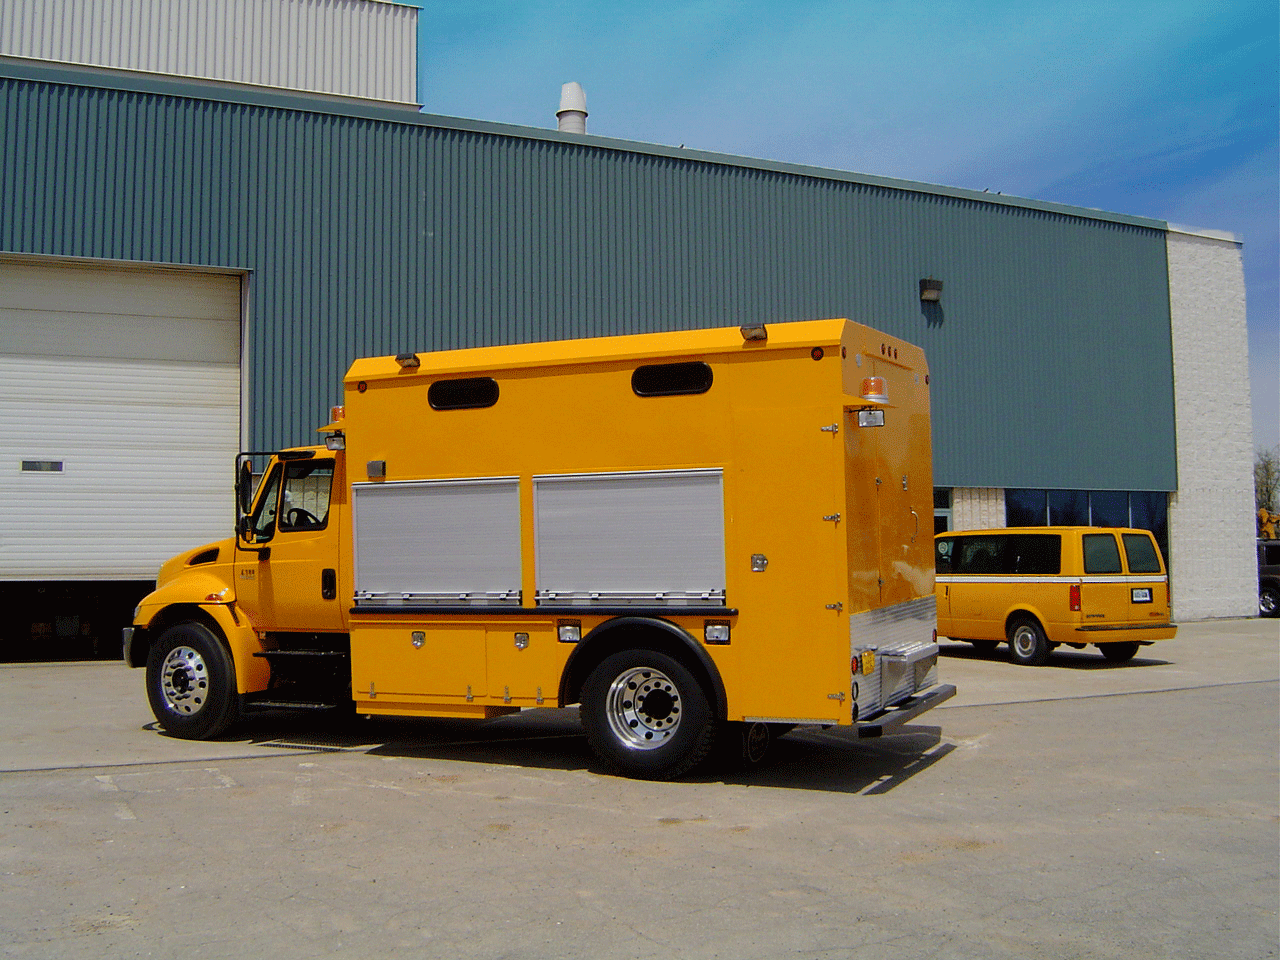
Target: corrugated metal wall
<point>354,48</point>
<point>1050,350</point>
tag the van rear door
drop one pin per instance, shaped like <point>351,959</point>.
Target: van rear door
<point>1148,581</point>
<point>1104,592</point>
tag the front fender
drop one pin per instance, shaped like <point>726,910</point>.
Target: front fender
<point>207,598</point>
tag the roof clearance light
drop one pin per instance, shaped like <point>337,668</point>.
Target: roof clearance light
<point>874,390</point>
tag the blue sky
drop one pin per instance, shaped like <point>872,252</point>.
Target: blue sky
<point>1161,109</point>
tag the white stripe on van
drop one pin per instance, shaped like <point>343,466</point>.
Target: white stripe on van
<point>1067,579</point>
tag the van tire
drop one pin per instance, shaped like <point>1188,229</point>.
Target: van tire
<point>1028,644</point>
<point>1121,651</point>
<point>646,716</point>
<point>191,682</point>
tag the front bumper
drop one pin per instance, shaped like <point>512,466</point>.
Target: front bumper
<point>888,722</point>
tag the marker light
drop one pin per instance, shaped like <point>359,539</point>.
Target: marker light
<point>874,390</point>
<point>337,413</point>
<point>569,631</point>
<point>716,632</point>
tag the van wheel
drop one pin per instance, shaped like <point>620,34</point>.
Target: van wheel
<point>1119,652</point>
<point>646,716</point>
<point>191,682</point>
<point>1027,643</point>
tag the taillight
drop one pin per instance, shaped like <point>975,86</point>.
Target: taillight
<point>1075,597</point>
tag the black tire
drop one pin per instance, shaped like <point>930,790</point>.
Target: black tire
<point>646,716</point>
<point>1120,651</point>
<point>191,682</point>
<point>1269,601</point>
<point>1028,644</point>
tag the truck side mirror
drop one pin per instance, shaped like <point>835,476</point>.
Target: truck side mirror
<point>244,489</point>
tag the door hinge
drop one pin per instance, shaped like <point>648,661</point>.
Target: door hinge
<point>834,428</point>
<point>836,696</point>
<point>837,607</point>
<point>833,517</point>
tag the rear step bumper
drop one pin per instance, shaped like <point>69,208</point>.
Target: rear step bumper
<point>893,718</point>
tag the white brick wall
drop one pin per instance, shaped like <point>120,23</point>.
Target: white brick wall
<point>1211,522</point>
<point>976,508</point>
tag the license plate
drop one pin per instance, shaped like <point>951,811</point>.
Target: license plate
<point>1141,594</point>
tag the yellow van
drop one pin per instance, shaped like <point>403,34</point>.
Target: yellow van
<point>1038,587</point>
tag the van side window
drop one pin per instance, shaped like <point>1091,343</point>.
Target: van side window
<point>1101,555</point>
<point>1141,553</point>
<point>979,555</point>
<point>1037,554</point>
<point>942,555</point>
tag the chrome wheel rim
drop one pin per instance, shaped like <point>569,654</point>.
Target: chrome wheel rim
<point>1267,603</point>
<point>184,681</point>
<point>643,708</point>
<point>1024,641</point>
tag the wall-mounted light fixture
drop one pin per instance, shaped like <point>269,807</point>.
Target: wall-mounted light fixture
<point>930,290</point>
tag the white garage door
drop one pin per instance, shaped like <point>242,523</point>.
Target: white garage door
<point>121,417</point>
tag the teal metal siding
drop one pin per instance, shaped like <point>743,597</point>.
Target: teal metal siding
<point>376,232</point>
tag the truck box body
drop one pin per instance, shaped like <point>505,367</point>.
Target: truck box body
<point>502,518</point>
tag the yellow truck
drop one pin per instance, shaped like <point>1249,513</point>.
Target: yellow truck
<point>711,533</point>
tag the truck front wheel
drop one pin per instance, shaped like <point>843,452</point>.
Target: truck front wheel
<point>646,716</point>
<point>191,682</point>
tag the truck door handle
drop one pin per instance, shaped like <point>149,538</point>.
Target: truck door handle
<point>328,583</point>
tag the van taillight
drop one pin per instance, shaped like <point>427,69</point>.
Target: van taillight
<point>1075,597</point>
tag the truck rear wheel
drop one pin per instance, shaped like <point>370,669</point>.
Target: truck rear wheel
<point>191,682</point>
<point>1028,644</point>
<point>646,715</point>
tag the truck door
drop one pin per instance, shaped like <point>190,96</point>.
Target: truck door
<point>287,560</point>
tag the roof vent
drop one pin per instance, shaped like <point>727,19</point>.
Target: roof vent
<point>572,115</point>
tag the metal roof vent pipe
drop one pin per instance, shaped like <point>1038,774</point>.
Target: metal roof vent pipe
<point>572,115</point>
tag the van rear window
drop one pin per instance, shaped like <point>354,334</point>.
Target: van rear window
<point>1141,553</point>
<point>1101,555</point>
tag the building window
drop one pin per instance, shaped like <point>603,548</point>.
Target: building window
<point>1142,510</point>
<point>941,509</point>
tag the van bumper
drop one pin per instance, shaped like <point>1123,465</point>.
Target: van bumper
<point>1125,632</point>
<point>888,722</point>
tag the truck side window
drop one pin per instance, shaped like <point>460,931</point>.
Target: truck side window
<point>1101,555</point>
<point>263,522</point>
<point>468,393</point>
<point>671,379</point>
<point>307,487</point>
